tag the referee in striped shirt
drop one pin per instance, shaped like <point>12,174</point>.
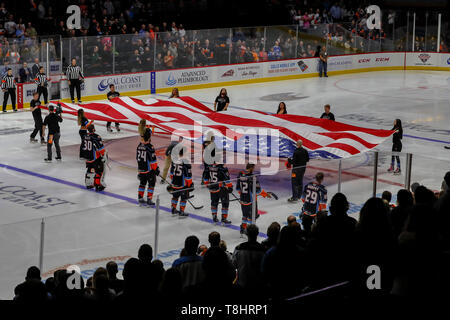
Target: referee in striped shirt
<point>9,89</point>
<point>42,84</point>
<point>75,78</point>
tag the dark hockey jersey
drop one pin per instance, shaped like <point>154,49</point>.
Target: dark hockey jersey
<point>93,147</point>
<point>245,187</point>
<point>181,174</point>
<point>314,198</point>
<point>146,157</point>
<point>216,176</point>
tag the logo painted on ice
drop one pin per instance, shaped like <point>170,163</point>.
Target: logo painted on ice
<point>424,57</point>
<point>171,80</point>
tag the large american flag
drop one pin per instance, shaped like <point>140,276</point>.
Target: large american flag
<point>248,131</point>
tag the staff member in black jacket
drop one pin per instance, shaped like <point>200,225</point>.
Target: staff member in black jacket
<point>52,121</point>
<point>298,161</point>
<point>75,78</point>
<point>37,116</point>
<point>42,83</point>
<point>9,89</point>
<point>35,67</point>
<point>111,95</point>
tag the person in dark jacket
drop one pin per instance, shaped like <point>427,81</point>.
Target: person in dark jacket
<point>32,290</point>
<point>25,74</point>
<point>396,145</point>
<point>399,214</point>
<point>298,163</point>
<point>247,259</point>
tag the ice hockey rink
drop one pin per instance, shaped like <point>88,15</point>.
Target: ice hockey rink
<point>89,229</point>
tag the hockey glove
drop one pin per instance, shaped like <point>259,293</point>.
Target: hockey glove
<point>287,164</point>
<point>157,172</point>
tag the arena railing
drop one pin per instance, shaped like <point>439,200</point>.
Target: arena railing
<point>114,229</point>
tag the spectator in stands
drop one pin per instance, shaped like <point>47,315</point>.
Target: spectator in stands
<point>400,213</point>
<point>134,288</point>
<point>273,232</point>
<point>283,260</point>
<point>168,60</point>
<point>443,208</point>
<point>332,244</point>
<point>171,286</point>
<point>375,245</point>
<point>223,246</point>
<point>386,196</point>
<point>281,108</point>
<point>336,12</point>
<point>214,239</point>
<point>25,74</point>
<point>218,279</point>
<point>114,283</point>
<point>247,259</point>
<point>35,68</point>
<point>190,266</point>
<point>150,276</point>
<point>327,114</point>
<point>291,219</point>
<point>419,254</point>
<point>32,290</point>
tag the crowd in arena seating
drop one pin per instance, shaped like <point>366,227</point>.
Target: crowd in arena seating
<point>409,242</point>
<point>145,46</point>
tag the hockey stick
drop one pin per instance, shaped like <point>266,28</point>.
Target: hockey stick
<point>189,197</point>
<point>273,195</point>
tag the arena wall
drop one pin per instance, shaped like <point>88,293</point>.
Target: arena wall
<point>133,84</point>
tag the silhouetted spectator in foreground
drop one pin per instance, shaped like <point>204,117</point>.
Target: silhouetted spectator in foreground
<point>247,259</point>
<point>273,232</point>
<point>32,290</point>
<point>114,283</point>
<point>190,265</point>
<point>332,244</point>
<point>218,282</point>
<point>283,261</point>
<point>400,213</point>
<point>376,245</point>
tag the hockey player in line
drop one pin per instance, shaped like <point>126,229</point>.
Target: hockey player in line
<point>95,155</point>
<point>147,167</point>
<point>314,200</point>
<point>181,176</point>
<point>245,188</point>
<point>217,178</point>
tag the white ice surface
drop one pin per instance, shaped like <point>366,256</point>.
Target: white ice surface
<point>89,229</point>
